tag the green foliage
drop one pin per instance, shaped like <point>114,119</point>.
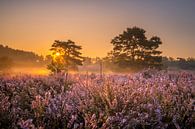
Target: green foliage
<point>66,56</point>
<point>133,49</point>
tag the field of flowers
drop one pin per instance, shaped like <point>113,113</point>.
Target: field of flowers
<point>145,100</point>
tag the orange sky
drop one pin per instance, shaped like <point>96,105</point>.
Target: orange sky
<point>34,25</point>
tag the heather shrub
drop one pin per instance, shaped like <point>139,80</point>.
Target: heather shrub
<point>160,100</point>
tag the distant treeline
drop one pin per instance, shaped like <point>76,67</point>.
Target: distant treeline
<point>168,63</point>
<point>10,57</point>
<point>179,63</point>
<point>18,58</point>
<point>19,55</point>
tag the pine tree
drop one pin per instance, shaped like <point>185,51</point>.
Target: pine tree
<point>66,55</point>
<point>133,49</point>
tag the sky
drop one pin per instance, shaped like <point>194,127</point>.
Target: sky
<point>33,25</point>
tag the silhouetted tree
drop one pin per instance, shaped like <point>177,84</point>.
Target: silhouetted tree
<point>133,49</point>
<point>65,55</point>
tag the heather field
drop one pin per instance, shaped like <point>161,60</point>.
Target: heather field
<point>145,100</point>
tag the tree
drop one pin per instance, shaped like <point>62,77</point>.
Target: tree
<point>133,49</point>
<point>66,55</point>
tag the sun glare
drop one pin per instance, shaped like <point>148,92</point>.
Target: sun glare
<point>57,54</point>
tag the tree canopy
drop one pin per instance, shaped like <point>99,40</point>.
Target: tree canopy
<point>65,55</point>
<point>133,49</point>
